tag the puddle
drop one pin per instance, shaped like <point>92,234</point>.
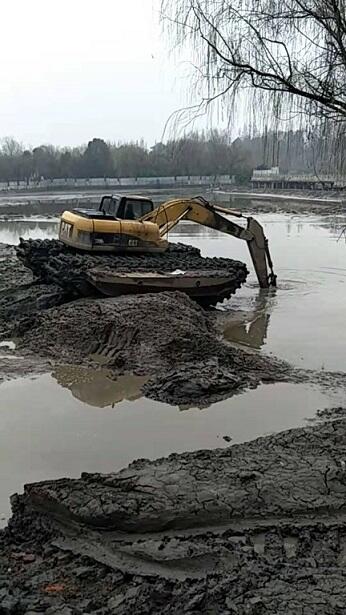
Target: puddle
<point>88,424</point>
<point>96,388</point>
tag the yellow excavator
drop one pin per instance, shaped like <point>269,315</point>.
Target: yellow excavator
<point>129,223</point>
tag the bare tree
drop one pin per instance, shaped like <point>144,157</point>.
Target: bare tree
<point>284,61</point>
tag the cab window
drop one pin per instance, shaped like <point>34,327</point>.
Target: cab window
<point>147,207</point>
<point>110,206</point>
<point>135,209</point>
<point>105,205</point>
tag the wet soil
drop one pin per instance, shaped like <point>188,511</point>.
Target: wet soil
<point>21,295</point>
<point>20,291</point>
<point>255,528</point>
<point>331,414</point>
<point>165,334</point>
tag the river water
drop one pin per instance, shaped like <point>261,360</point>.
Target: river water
<point>74,420</point>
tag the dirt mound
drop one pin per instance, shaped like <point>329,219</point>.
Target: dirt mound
<point>110,327</point>
<point>165,334</point>
<point>224,372</point>
<point>52,262</point>
<point>255,528</point>
<point>202,382</point>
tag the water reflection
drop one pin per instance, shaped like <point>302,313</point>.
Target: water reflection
<point>251,328</point>
<point>335,225</point>
<point>96,387</point>
<point>12,230</point>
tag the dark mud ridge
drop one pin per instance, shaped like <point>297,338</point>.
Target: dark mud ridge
<point>258,528</point>
<point>20,293</point>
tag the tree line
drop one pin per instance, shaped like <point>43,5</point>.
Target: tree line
<point>193,154</point>
<point>196,154</point>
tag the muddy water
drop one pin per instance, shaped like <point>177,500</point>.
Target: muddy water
<point>74,421</point>
<point>37,228</point>
<point>302,321</point>
<point>48,431</point>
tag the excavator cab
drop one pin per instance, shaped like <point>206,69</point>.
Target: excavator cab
<point>117,225</point>
<point>125,207</point>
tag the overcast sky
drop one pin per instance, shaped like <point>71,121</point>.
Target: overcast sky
<point>76,69</point>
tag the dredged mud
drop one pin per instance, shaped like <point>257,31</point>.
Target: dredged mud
<point>255,528</point>
<point>166,334</point>
<point>40,274</point>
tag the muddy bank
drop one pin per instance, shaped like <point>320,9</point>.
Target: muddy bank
<point>13,272</point>
<point>320,197</point>
<point>255,528</point>
<point>165,336</point>
<point>294,202</point>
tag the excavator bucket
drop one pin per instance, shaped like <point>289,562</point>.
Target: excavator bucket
<point>260,255</point>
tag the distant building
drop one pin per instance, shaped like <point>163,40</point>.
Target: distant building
<point>273,179</point>
<point>266,173</point>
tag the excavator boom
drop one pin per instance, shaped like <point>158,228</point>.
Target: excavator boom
<point>198,210</point>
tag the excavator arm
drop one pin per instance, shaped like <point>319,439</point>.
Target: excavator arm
<point>198,210</point>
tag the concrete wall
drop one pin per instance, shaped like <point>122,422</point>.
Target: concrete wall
<point>133,182</point>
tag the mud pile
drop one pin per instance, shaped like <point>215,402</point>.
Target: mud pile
<point>13,272</point>
<point>110,327</point>
<point>165,334</point>
<point>255,528</point>
<point>53,263</point>
<point>19,295</point>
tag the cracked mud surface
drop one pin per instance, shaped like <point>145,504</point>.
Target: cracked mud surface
<point>255,528</point>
